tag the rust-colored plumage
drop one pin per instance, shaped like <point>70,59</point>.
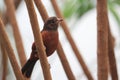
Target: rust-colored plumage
<point>50,40</point>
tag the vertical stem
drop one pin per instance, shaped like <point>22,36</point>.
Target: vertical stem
<point>18,40</point>
<point>111,55</point>
<point>65,63</point>
<point>4,62</point>
<point>4,39</point>
<point>38,40</point>
<point>73,45</point>
<point>5,18</point>
<point>41,9</point>
<point>60,51</point>
<point>102,39</point>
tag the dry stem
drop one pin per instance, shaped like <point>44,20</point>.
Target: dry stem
<point>18,40</point>
<point>65,63</point>
<point>71,41</point>
<point>4,62</point>
<point>10,52</point>
<point>102,39</point>
<point>111,55</point>
<point>41,9</point>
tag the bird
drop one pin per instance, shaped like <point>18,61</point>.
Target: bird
<point>50,39</point>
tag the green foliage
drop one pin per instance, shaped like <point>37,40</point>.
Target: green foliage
<point>80,7</point>
<point>115,2</point>
<point>111,5</point>
<point>77,7</point>
<point>85,5</point>
<point>69,9</point>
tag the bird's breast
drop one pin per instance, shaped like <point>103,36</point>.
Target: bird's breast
<point>50,40</point>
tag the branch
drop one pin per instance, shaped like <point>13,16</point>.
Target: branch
<point>111,55</point>
<point>4,62</point>
<point>102,39</point>
<point>41,9</point>
<point>10,52</point>
<point>18,40</point>
<point>71,41</point>
<point>65,63</point>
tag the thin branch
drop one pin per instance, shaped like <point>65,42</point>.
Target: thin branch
<point>65,63</point>
<point>73,45</point>
<point>102,39</point>
<point>10,52</point>
<point>41,9</point>
<point>4,18</point>
<point>60,51</point>
<point>111,55</point>
<point>4,62</point>
<point>18,40</point>
<point>38,40</point>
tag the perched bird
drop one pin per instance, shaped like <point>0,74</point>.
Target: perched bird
<point>50,40</point>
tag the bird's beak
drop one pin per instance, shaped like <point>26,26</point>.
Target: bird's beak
<point>59,20</point>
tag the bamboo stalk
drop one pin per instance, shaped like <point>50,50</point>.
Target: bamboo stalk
<point>71,41</point>
<point>60,51</point>
<point>111,55</point>
<point>18,39</point>
<point>102,39</point>
<point>4,39</point>
<point>38,40</point>
<point>65,63</point>
<point>4,62</point>
<point>4,16</point>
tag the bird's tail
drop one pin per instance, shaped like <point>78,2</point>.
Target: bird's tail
<point>28,68</point>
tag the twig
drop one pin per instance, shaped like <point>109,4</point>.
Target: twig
<point>60,51</point>
<point>4,62</point>
<point>41,9</point>
<point>102,39</point>
<point>4,18</point>
<point>18,40</point>
<point>111,55</point>
<point>65,63</point>
<point>10,52</point>
<point>38,40</point>
<point>71,41</point>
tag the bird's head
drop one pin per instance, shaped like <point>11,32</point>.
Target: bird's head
<point>52,23</point>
